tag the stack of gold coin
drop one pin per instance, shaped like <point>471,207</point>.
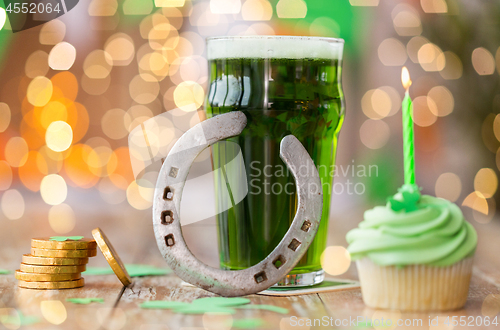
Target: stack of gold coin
<point>56,263</point>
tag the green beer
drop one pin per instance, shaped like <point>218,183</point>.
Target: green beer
<point>284,85</point>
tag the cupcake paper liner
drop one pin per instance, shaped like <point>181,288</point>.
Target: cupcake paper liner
<point>415,287</point>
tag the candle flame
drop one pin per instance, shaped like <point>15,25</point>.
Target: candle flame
<point>405,78</point>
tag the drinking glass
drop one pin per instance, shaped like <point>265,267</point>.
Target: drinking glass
<point>284,85</point>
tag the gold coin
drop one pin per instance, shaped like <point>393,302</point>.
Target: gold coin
<point>111,256</point>
<point>63,253</point>
<point>46,243</point>
<point>32,260</point>
<point>52,269</point>
<point>33,277</point>
<point>52,285</point>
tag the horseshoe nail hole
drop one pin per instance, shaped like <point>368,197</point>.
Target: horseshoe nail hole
<point>260,277</point>
<point>167,217</point>
<point>306,225</point>
<point>173,172</point>
<point>168,194</point>
<point>279,261</point>
<point>169,240</point>
<point>294,244</point>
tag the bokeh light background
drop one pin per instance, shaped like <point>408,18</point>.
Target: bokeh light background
<point>73,89</point>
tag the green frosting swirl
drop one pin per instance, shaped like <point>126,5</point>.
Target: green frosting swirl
<point>435,234</point>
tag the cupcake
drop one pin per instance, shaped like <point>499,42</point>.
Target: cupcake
<point>414,254</point>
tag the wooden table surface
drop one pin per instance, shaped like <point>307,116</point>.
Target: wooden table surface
<point>132,235</point>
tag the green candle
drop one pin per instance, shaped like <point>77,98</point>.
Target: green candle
<point>408,139</point>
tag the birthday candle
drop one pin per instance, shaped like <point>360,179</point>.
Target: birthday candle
<point>408,139</point>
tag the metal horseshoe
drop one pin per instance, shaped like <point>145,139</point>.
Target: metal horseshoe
<point>167,201</point>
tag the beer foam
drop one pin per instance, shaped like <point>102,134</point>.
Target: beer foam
<point>274,47</point>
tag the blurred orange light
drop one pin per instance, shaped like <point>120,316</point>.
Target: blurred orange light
<point>52,32</point>
<point>16,151</point>
<point>424,110</point>
<point>144,91</point>
<point>184,47</point>
<point>53,189</point>
<point>32,132</point>
<point>119,164</point>
<point>62,218</point>
<point>453,68</point>
<point>170,3</point>
<point>120,47</point>
<point>483,61</point>
<point>76,168</point>
<point>53,111</point>
<point>67,83</point>
<point>79,122</point>
<point>39,91</point>
<point>98,64</point>
<point>5,175</point>
<point>486,182</point>
<point>4,116</point>
<point>12,204</point>
<point>95,86</point>
<point>254,10</point>
<point>392,52</point>
<point>374,134</point>
<point>26,106</point>
<point>477,202</point>
<point>30,174</point>
<point>59,136</point>
<point>103,7</point>
<point>443,99</point>
<point>174,15</point>
<point>434,6</point>
<point>62,56</point>
<point>37,64</point>
<point>113,124</point>
<point>49,161</point>
<point>98,159</point>
<point>189,96</point>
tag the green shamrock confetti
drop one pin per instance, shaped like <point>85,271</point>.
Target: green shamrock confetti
<point>221,301</point>
<point>65,238</point>
<point>270,308</point>
<point>248,323</point>
<point>162,304</point>
<point>368,324</point>
<point>406,199</point>
<point>134,270</point>
<point>85,301</point>
<point>4,272</point>
<point>210,305</point>
<point>19,320</point>
<point>98,271</point>
<point>202,309</point>
<point>324,284</point>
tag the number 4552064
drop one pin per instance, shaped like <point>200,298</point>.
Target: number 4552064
<point>470,321</point>
<point>32,8</point>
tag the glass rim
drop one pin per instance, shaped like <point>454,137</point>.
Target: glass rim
<point>277,37</point>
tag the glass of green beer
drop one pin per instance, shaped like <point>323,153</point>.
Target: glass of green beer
<point>284,85</point>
